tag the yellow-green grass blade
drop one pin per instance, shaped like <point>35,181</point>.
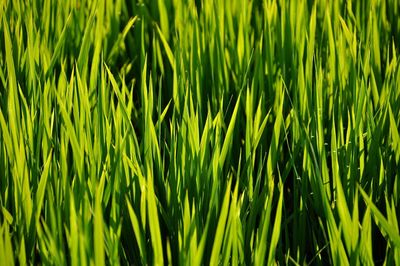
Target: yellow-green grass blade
<point>154,224</point>
<point>382,222</point>
<point>137,231</point>
<point>219,233</point>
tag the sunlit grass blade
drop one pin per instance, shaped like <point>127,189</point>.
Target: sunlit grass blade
<point>42,188</point>
<point>381,220</point>
<point>276,230</point>
<point>154,223</point>
<point>219,233</point>
<point>98,231</point>
<point>137,231</point>
<point>229,134</point>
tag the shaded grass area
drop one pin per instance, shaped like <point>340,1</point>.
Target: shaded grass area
<point>199,132</point>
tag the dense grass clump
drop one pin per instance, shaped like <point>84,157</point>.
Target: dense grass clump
<point>199,132</point>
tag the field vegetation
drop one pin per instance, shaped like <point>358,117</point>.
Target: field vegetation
<point>191,132</point>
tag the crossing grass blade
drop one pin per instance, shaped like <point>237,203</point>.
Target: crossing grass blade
<point>381,220</point>
<point>76,147</point>
<point>167,47</point>
<point>59,46</point>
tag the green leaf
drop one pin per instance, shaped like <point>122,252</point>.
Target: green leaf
<point>98,226</point>
<point>229,135</point>
<point>219,233</point>
<point>382,222</point>
<point>59,46</point>
<point>154,224</point>
<point>137,231</point>
<point>168,51</point>
<point>276,230</point>
<point>42,188</point>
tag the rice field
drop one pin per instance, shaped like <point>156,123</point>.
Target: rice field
<point>199,132</point>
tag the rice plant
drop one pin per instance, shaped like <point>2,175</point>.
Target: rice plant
<point>199,132</point>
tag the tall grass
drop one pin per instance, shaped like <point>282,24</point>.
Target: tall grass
<point>199,132</point>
